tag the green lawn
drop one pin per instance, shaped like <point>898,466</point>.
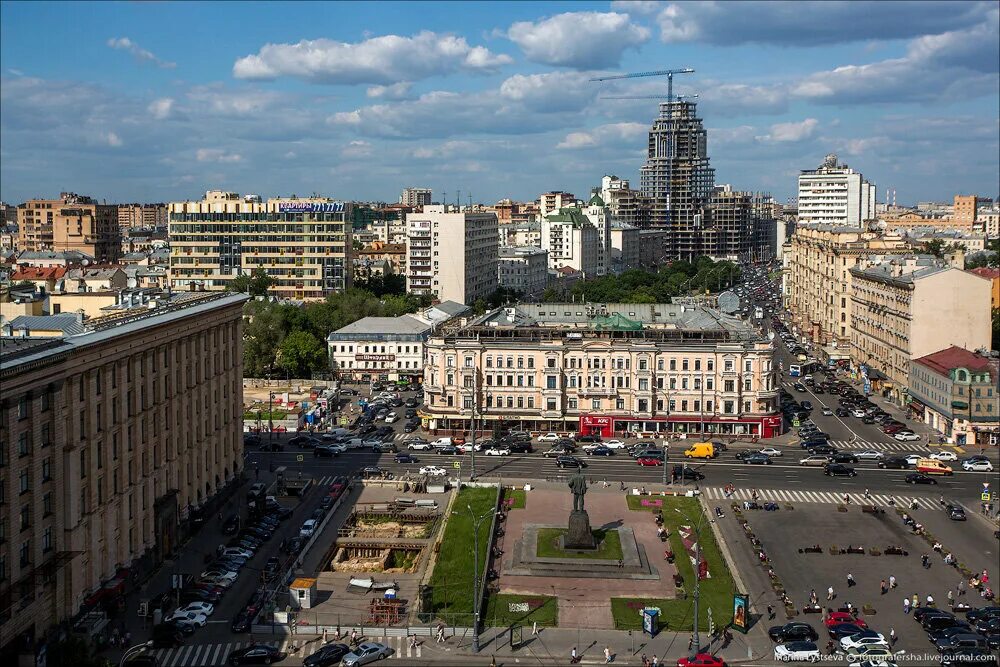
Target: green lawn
<point>609,547</point>
<point>544,610</point>
<point>716,592</point>
<point>451,583</point>
<point>517,495</point>
<point>625,611</point>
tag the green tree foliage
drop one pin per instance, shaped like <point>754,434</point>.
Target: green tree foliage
<point>254,284</point>
<point>990,257</point>
<point>939,248</point>
<point>267,350</point>
<point>383,285</point>
<point>996,329</point>
<point>642,286</point>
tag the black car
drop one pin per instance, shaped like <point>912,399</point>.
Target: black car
<point>272,447</point>
<point>758,459</point>
<point>200,595</point>
<point>840,470</point>
<point>793,632</point>
<point>292,545</point>
<point>918,478</point>
<point>807,405</point>
<point>520,447</point>
<point>410,427</point>
<point>898,462</point>
<point>303,441</point>
<point>921,613</point>
<point>186,629</point>
<point>588,438</point>
<point>601,451</point>
<point>843,457</point>
<point>231,525</point>
<point>975,615</point>
<point>448,450</point>
<point>403,457</point>
<point>241,622</point>
<point>570,462</point>
<point>325,451</point>
<point>261,654</point>
<point>840,630</point>
<point>955,512</point>
<point>167,635</point>
<point>330,654</point>
<point>685,472</point>
<point>271,566</point>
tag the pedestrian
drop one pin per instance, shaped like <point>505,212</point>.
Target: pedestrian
<point>892,637</point>
<point>645,660</point>
<point>812,597</point>
<point>607,655</point>
<point>655,662</point>
<point>892,581</point>
<point>930,600</point>
<point>691,643</point>
<point>572,656</point>
<point>324,635</point>
<point>770,612</point>
<point>961,587</point>
<point>868,495</point>
<point>916,600</point>
<point>850,580</point>
<point>126,639</point>
<point>440,632</point>
<point>829,593</point>
<point>883,587</point>
<point>493,661</point>
<point>951,599</point>
<point>847,499</point>
<point>413,641</point>
<point>925,561</point>
<point>906,606</point>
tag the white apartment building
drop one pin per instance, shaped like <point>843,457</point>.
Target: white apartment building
<point>552,202</point>
<point>415,197</point>
<point>600,217</point>
<point>452,255</point>
<point>387,231</point>
<point>624,247</point>
<point>523,268</point>
<point>836,195</point>
<point>571,240</point>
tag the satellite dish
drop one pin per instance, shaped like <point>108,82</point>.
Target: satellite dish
<point>729,302</point>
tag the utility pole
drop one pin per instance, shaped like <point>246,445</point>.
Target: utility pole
<point>476,523</point>
<point>475,401</point>
<point>695,639</point>
<point>270,415</point>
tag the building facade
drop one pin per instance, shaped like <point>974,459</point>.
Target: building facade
<point>523,268</point>
<point>607,368</point>
<point>957,393</point>
<point>571,240</point>
<point>71,223</point>
<point>415,197</point>
<point>141,216</point>
<point>552,202</point>
<point>304,245</point>
<point>452,255</point>
<point>113,441</point>
<point>627,206</point>
<point>817,279</point>
<point>624,247</point>
<point>835,194</point>
<point>897,311</point>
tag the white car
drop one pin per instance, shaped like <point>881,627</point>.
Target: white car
<point>391,418</point>
<point>467,447</point>
<point>548,437</point>
<point>913,459</point>
<point>418,446</point>
<point>614,444</point>
<point>308,528</point>
<point>236,551</point>
<point>216,573</point>
<point>339,448</point>
<point>945,455</point>
<point>498,451</point>
<point>796,652</point>
<point>827,411</point>
<point>858,413</point>
<point>771,451</point>
<point>433,471</point>
<point>863,639</point>
<point>198,608</point>
<point>906,436</point>
<point>977,466</point>
<point>188,617</point>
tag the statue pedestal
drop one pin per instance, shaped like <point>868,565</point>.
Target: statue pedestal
<point>579,535</point>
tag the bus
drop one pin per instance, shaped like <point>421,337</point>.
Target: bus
<point>794,370</point>
<point>806,368</point>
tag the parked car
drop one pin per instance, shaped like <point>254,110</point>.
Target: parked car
<point>793,632</point>
<point>258,654</point>
<point>308,528</point>
<point>548,437</point>
<point>365,653</point>
<point>802,651</point>
<point>327,655</point>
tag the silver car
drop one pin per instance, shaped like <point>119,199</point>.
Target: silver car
<point>870,455</point>
<point>365,653</point>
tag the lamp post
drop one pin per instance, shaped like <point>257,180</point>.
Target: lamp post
<point>476,523</point>
<point>695,641</point>
<point>270,415</point>
<point>138,648</point>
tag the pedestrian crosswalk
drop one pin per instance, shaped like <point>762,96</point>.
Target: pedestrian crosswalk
<point>819,497</point>
<point>211,655</point>
<point>894,446</point>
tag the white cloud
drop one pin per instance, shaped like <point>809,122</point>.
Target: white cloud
<point>811,23</point>
<point>642,7</point>
<point>551,91</point>
<point>397,91</point>
<point>216,155</point>
<point>112,139</point>
<point>139,53</point>
<point>160,109</point>
<point>232,102</point>
<point>584,40</point>
<point>384,60</point>
<point>615,134</point>
<point>448,149</point>
<point>357,148</point>
<point>792,131</point>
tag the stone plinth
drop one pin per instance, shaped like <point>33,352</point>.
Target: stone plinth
<point>579,536</point>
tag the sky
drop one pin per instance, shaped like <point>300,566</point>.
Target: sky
<point>159,101</point>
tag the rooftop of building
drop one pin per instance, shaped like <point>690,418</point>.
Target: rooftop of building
<point>66,255</point>
<point>986,272</point>
<point>570,214</point>
<point>39,273</point>
<point>70,324</point>
<point>128,317</point>
<point>366,327</point>
<point>94,273</point>
<point>948,359</point>
<point>511,251</point>
<point>906,269</point>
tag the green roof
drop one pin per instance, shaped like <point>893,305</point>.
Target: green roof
<point>616,321</point>
<point>596,200</point>
<point>568,214</point>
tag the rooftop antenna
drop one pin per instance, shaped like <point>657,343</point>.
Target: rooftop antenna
<point>669,73</point>
<point>458,201</point>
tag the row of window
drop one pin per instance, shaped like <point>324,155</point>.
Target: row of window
<point>598,404</point>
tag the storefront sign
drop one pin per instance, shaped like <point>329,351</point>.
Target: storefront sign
<point>310,207</point>
<point>374,357</point>
<point>598,422</point>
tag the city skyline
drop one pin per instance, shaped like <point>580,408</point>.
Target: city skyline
<point>360,102</point>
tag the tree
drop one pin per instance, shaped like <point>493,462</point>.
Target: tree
<point>300,353</point>
<point>262,333</point>
<point>996,329</point>
<point>255,284</point>
<point>479,307</point>
<point>939,248</point>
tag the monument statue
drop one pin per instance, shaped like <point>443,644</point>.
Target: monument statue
<point>578,485</point>
<point>579,535</point>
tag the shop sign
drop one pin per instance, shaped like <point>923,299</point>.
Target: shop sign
<point>375,357</point>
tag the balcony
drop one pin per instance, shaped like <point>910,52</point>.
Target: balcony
<point>596,391</point>
<point>551,414</point>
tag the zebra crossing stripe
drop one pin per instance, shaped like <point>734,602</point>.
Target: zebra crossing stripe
<point>818,497</point>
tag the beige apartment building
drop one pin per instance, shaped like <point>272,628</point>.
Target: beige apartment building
<point>147,216</point>
<point>303,244</point>
<point>817,279</point>
<point>113,441</point>
<point>908,308</point>
<point>957,393</point>
<point>606,368</point>
<point>71,223</point>
<point>452,254</point>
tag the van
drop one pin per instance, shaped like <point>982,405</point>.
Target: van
<point>932,467</point>
<point>700,450</point>
<point>442,442</point>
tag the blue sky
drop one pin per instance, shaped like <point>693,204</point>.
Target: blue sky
<point>155,101</point>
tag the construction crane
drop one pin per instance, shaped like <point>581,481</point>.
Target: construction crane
<point>679,98</point>
<point>669,73</point>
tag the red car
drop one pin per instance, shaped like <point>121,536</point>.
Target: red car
<point>702,660</point>
<point>649,461</point>
<point>838,617</point>
<point>892,428</point>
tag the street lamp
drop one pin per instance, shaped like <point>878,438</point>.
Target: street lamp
<point>138,648</point>
<point>695,642</point>
<point>476,523</point>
